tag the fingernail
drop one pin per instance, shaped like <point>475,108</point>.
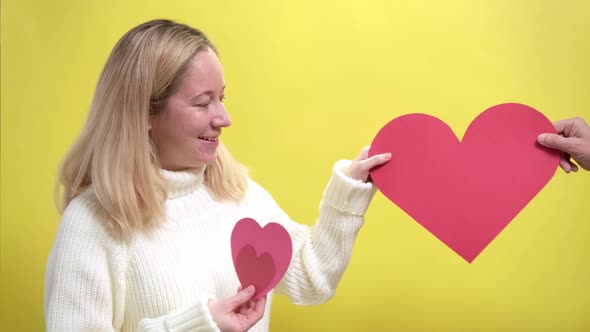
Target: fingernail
<point>250,289</point>
<point>388,156</point>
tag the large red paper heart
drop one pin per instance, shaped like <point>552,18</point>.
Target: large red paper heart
<point>465,192</point>
<point>261,256</point>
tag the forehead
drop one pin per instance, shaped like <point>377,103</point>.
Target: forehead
<point>204,66</point>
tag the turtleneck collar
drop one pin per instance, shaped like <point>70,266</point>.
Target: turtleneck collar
<point>180,183</point>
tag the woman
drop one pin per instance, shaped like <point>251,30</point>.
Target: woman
<point>150,198</point>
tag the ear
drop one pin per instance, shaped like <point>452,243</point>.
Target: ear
<point>152,116</point>
<point>151,120</point>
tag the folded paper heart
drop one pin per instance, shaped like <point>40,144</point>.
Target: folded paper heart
<point>465,192</point>
<point>261,256</point>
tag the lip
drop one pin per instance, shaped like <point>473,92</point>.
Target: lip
<point>214,139</point>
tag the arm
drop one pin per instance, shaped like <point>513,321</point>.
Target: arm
<point>321,253</point>
<point>85,277</point>
<point>195,317</point>
<point>236,313</point>
<point>85,286</point>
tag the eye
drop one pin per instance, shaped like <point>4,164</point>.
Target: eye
<point>203,103</point>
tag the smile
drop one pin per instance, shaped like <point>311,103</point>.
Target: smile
<point>209,139</point>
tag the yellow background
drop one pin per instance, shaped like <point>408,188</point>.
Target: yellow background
<point>310,82</point>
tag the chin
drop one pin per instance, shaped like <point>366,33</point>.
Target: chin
<point>206,161</point>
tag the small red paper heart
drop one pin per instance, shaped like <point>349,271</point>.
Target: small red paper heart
<point>260,276</point>
<point>261,256</point>
<point>465,192</point>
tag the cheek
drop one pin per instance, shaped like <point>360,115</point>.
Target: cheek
<point>185,129</point>
<point>181,126</point>
<point>195,124</point>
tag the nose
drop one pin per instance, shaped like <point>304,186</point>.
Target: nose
<point>221,117</point>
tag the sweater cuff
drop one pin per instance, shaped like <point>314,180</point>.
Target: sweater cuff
<point>346,194</point>
<point>196,317</point>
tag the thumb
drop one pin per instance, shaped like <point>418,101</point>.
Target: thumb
<point>241,297</point>
<point>555,142</point>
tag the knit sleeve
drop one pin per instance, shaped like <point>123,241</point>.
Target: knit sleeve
<point>195,317</point>
<point>85,276</point>
<point>321,253</point>
<point>85,281</point>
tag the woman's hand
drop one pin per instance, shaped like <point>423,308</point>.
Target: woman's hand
<point>361,165</point>
<point>237,313</point>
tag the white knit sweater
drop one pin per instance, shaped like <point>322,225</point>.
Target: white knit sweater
<point>162,280</point>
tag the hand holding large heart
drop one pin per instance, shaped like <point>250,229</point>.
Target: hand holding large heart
<point>465,192</point>
<point>261,256</point>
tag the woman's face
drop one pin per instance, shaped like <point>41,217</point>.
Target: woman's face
<point>186,131</point>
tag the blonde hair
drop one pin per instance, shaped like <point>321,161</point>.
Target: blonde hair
<point>114,153</point>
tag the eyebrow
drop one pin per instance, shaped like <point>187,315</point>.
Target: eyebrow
<point>208,92</point>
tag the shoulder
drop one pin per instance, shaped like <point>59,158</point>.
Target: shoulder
<point>261,201</point>
<point>257,193</point>
<point>82,221</point>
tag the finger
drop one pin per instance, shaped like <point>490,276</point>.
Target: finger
<point>360,170</point>
<point>565,165</point>
<point>363,154</point>
<point>375,160</point>
<point>573,166</point>
<point>258,310</point>
<point>562,124</point>
<point>568,126</point>
<point>241,298</point>
<point>557,142</point>
<point>253,315</point>
<point>243,310</point>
